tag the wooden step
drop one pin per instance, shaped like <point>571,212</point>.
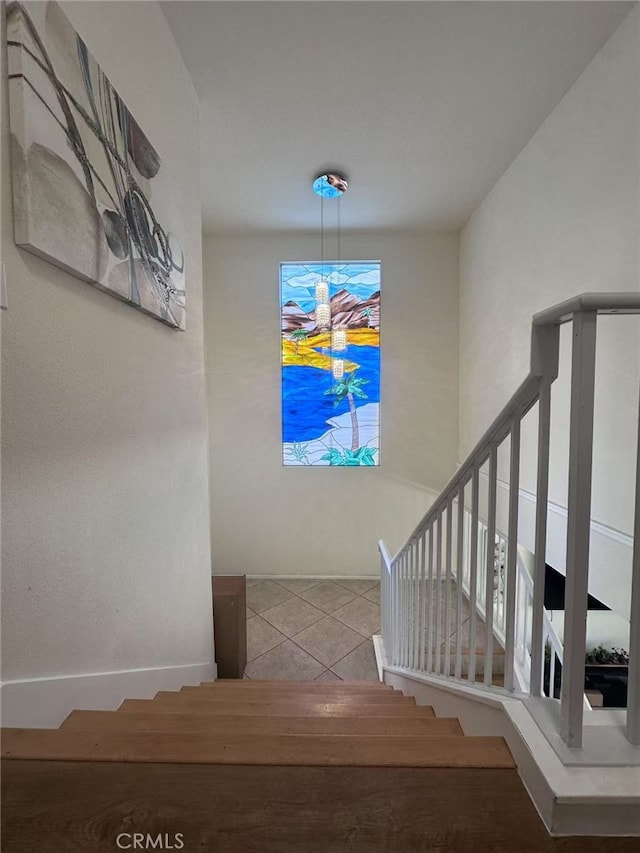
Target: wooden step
<point>79,807</point>
<point>215,694</point>
<point>204,695</point>
<point>184,704</point>
<point>247,749</point>
<point>170,722</point>
<point>194,722</point>
<point>308,685</point>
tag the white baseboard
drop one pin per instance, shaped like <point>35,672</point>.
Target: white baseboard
<point>46,702</point>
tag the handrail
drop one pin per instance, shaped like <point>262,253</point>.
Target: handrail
<point>385,554</point>
<point>443,549</point>
<point>601,303</point>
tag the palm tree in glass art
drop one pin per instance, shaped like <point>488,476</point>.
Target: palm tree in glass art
<point>350,387</point>
<point>298,335</point>
<point>367,312</point>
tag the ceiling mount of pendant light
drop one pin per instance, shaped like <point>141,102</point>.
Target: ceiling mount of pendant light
<point>330,184</point>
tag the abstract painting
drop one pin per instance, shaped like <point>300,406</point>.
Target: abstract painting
<point>90,193</point>
<point>330,321</point>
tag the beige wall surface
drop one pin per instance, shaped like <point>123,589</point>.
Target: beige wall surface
<point>106,561</point>
<point>267,519</point>
<point>563,220</point>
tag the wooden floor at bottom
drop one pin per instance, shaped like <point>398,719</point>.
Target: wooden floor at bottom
<point>82,807</point>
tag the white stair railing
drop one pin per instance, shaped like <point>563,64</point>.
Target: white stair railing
<point>447,560</point>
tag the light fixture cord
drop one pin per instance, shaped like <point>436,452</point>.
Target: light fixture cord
<point>322,235</point>
<point>339,256</point>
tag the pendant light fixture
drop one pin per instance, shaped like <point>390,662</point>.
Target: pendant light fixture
<point>337,368</point>
<point>331,186</point>
<point>339,340</point>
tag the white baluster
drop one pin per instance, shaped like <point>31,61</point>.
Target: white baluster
<point>578,524</point>
<point>542,491</point>
<point>430,602</point>
<point>407,606</point>
<point>411,605</point>
<point>473,574</point>
<point>459,578</point>
<point>416,603</point>
<point>438,641</point>
<point>633,690</point>
<point>447,602</point>
<point>405,611</point>
<point>409,623</point>
<point>490,566</point>
<point>398,609</point>
<point>396,599</point>
<point>423,600</point>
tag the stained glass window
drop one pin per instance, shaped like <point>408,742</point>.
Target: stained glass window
<point>330,316</point>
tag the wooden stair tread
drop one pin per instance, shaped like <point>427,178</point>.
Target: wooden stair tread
<point>60,807</point>
<point>176,722</point>
<point>248,749</point>
<point>310,685</point>
<point>337,696</point>
<point>306,686</point>
<point>184,703</point>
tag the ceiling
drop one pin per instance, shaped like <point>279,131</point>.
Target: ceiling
<point>422,104</point>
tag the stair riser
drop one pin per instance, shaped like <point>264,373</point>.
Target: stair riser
<point>276,709</point>
<point>214,695</point>
<point>309,686</point>
<point>176,723</point>
<point>289,750</point>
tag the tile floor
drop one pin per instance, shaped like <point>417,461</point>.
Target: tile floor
<point>312,629</point>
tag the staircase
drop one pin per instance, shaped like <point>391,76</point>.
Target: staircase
<point>266,766</point>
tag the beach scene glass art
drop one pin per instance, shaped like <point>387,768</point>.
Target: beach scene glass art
<point>330,328</point>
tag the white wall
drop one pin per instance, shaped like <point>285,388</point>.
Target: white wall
<point>106,559</point>
<point>564,219</point>
<point>267,519</point>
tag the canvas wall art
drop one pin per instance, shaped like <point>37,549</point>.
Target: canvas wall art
<point>90,192</point>
<point>330,321</point>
